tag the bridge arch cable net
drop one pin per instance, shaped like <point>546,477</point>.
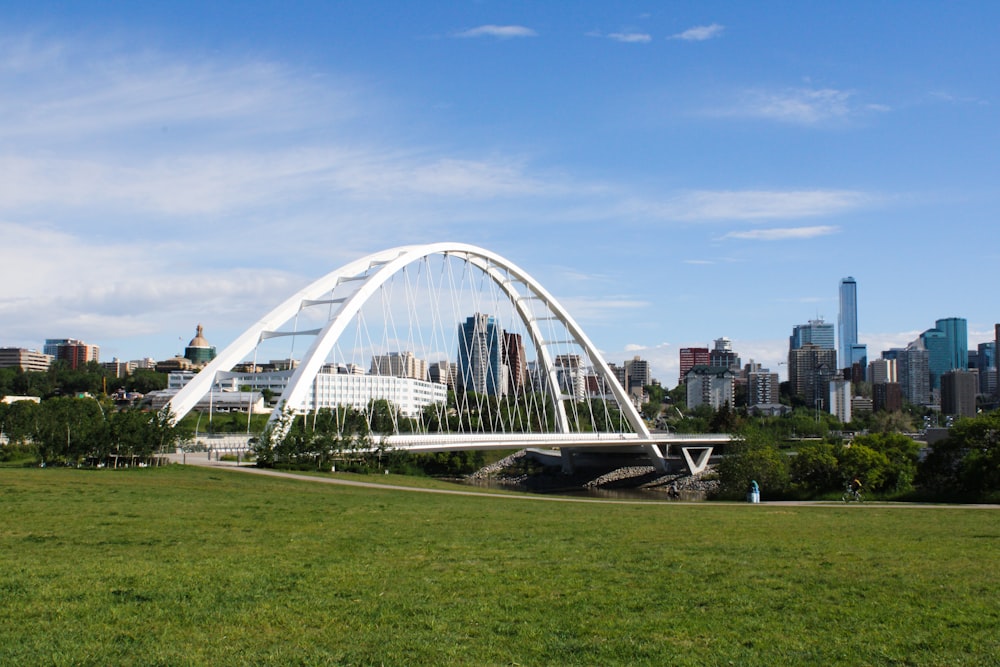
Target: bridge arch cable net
<point>454,337</point>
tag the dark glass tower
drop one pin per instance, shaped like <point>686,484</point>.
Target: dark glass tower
<point>847,322</point>
<point>480,355</point>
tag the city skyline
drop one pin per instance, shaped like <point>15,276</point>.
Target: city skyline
<point>698,171</point>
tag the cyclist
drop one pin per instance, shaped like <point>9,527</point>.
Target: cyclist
<point>853,490</point>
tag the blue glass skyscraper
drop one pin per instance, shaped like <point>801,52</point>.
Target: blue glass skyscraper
<point>956,330</point>
<point>847,322</point>
<point>817,332</point>
<point>480,355</point>
<point>948,346</point>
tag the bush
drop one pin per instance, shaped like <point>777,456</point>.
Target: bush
<point>815,469</point>
<point>967,463</point>
<point>752,457</point>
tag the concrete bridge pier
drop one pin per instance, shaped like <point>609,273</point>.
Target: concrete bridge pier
<point>568,457</point>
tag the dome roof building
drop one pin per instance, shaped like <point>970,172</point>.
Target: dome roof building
<point>199,351</point>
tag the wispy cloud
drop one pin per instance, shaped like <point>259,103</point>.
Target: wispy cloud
<point>700,33</point>
<point>800,106</point>
<point>782,234</point>
<point>716,205</point>
<point>140,284</point>
<point>600,309</point>
<point>498,31</point>
<point>630,37</point>
<point>950,98</point>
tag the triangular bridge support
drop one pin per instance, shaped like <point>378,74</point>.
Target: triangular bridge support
<point>703,453</point>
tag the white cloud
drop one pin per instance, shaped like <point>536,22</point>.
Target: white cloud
<point>86,288</point>
<point>81,97</point>
<point>950,98</point>
<point>700,33</point>
<point>782,234</point>
<point>630,37</point>
<point>600,309</point>
<point>800,106</point>
<point>712,205</point>
<point>499,31</point>
<point>805,106</point>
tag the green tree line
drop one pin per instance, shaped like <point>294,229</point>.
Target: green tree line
<point>964,466</point>
<point>63,380</point>
<point>82,431</point>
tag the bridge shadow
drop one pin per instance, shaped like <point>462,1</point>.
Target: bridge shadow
<point>532,471</point>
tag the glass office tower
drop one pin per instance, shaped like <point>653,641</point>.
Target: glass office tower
<point>847,322</point>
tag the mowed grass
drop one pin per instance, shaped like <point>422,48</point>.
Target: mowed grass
<point>189,566</point>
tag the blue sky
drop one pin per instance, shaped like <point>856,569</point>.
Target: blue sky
<point>672,172</point>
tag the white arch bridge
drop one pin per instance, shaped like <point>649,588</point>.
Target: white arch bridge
<point>444,346</point>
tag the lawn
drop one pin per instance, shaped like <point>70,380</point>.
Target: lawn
<point>192,566</point>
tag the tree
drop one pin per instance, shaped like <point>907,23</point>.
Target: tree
<point>382,415</point>
<point>815,468</point>
<point>19,420</point>
<point>967,462</point>
<point>144,381</point>
<point>865,464</point>
<point>269,446</point>
<point>891,422</point>
<point>752,456</point>
<point>134,433</point>
<point>69,429</point>
<point>901,454</point>
<point>724,420</point>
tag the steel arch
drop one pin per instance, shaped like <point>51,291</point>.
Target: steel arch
<point>388,263</point>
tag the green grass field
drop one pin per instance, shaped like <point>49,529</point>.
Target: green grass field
<point>189,566</point>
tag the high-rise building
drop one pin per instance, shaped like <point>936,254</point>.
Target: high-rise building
<point>400,365</point>
<point>691,357</point>
<point>763,388</point>
<point>847,321</point>
<point>947,345</point>
<point>637,373</point>
<point>996,346</point>
<point>712,386</point>
<point>882,370</point>
<point>515,361</point>
<point>722,355</point>
<point>859,360</point>
<point>480,356</point>
<point>887,396</point>
<point>815,332</point>
<point>913,371</point>
<point>810,369</point>
<point>571,375</point>
<point>984,359</point>
<point>840,400</point>
<point>442,372</point>
<point>119,368</point>
<point>74,352</point>
<point>956,332</point>
<point>958,393</point>
<point>938,362</point>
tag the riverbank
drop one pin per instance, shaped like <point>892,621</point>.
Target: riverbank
<point>521,472</point>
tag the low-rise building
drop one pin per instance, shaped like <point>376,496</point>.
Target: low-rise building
<point>29,361</point>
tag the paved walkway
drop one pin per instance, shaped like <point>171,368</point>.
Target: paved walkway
<point>201,459</point>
